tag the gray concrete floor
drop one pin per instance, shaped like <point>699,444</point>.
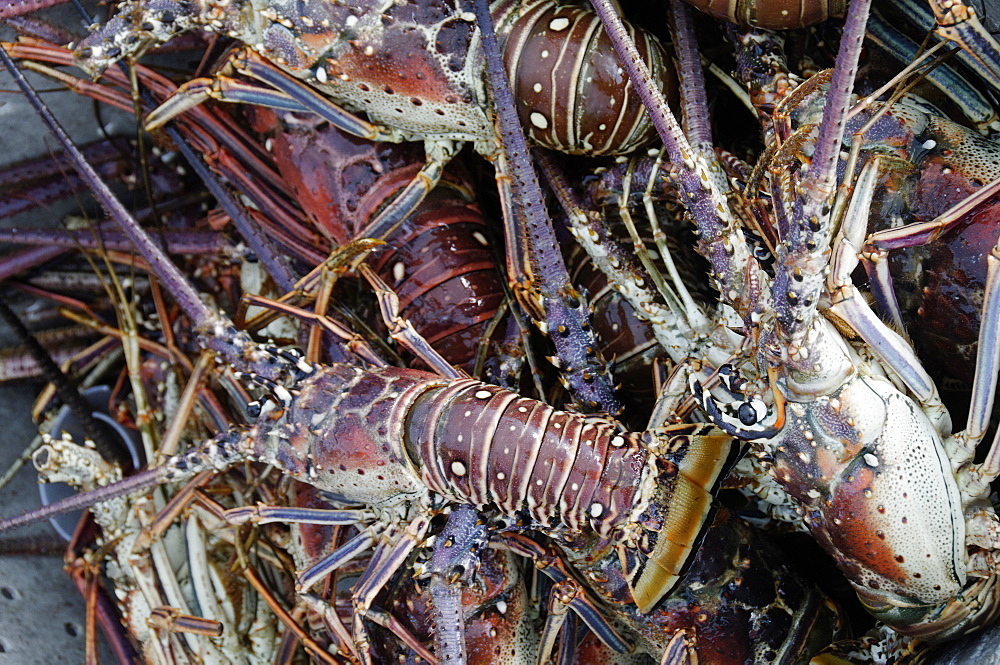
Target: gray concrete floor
<point>41,613</point>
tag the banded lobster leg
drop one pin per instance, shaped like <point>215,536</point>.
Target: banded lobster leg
<point>958,23</point>
<point>286,93</point>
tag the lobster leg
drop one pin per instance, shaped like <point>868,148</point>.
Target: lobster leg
<point>288,93</point>
<point>381,569</point>
<point>261,514</point>
<point>403,331</point>
<point>970,101</point>
<point>575,596</point>
<point>352,549</point>
<point>849,305</point>
<point>958,23</point>
<point>977,478</point>
<point>557,610</point>
<point>874,251</point>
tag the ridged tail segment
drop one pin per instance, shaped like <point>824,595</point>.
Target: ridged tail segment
<point>487,446</point>
<point>571,94</point>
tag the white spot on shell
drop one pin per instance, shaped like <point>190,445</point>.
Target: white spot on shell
<point>458,468</point>
<point>618,442</point>
<point>537,87</point>
<point>929,144</point>
<point>871,460</point>
<point>480,238</point>
<point>545,54</point>
<point>502,606</point>
<point>399,271</point>
<point>350,21</point>
<point>596,510</point>
<point>539,120</point>
<point>321,74</point>
<point>282,393</point>
<point>557,24</point>
<point>501,475</point>
<point>482,394</point>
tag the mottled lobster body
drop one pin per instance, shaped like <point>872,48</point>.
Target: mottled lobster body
<point>437,260</point>
<point>390,437</point>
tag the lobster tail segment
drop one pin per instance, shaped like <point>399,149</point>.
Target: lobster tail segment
<point>691,462</point>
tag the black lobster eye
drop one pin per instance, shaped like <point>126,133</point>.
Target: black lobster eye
<point>747,414</point>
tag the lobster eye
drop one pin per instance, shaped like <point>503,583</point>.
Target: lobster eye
<point>747,414</point>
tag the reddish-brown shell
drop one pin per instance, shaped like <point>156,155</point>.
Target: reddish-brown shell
<point>572,94</point>
<point>772,14</point>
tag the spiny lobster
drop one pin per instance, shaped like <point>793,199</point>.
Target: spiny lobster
<point>868,466</point>
<point>415,70</point>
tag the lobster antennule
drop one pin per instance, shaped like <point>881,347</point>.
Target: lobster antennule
<point>690,468</point>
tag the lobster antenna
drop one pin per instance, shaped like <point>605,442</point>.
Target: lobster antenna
<point>797,288</point>
<point>218,332</point>
<point>140,481</point>
<point>585,372</point>
<point>697,177</point>
<point>692,81</point>
<point>185,295</point>
<point>215,454</point>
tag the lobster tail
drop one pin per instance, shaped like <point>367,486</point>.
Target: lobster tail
<point>690,465</point>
